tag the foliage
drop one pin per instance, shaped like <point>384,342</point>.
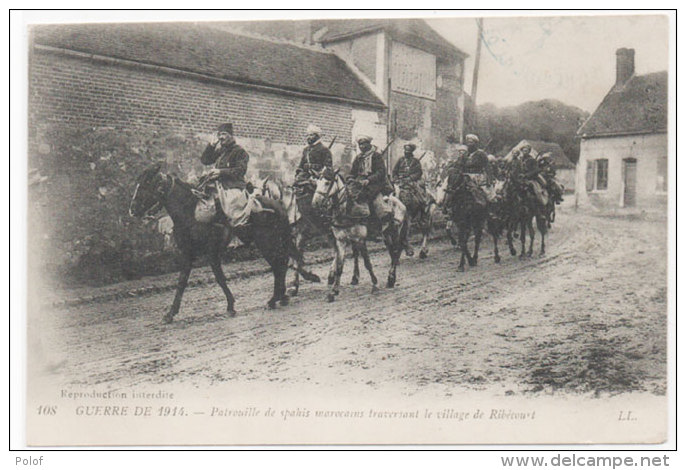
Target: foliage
<point>547,120</point>
<point>78,207</point>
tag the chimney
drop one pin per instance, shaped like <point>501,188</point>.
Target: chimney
<point>625,65</point>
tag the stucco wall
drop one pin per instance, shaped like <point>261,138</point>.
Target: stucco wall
<point>646,149</point>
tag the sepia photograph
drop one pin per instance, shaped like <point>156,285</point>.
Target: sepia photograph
<point>414,228</point>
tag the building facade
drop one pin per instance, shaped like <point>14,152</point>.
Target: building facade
<point>412,69</point>
<point>106,100</point>
<point>191,78</point>
<point>623,160</point>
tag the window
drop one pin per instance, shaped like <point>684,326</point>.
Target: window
<point>596,174</point>
<point>413,71</point>
<point>661,180</point>
<point>601,174</point>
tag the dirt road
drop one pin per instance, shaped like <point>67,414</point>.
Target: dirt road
<point>589,316</point>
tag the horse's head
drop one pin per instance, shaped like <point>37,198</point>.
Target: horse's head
<point>151,189</point>
<point>267,187</point>
<point>441,190</point>
<point>327,186</point>
<point>452,181</point>
<point>499,189</point>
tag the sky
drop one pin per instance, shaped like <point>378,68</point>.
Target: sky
<point>568,58</point>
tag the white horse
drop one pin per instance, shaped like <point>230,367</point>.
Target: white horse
<point>332,194</point>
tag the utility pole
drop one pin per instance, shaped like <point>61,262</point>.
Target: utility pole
<point>477,58</point>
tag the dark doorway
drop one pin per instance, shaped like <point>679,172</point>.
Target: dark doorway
<point>629,182</point>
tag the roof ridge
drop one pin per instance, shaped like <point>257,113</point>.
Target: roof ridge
<point>274,40</point>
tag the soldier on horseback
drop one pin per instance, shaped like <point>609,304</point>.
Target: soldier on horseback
<point>230,162</point>
<point>368,178</point>
<point>315,156</point>
<point>407,176</point>
<point>548,173</point>
<point>408,173</point>
<point>477,164</point>
<point>478,168</point>
<point>531,176</point>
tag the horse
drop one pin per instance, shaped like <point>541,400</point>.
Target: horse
<point>305,224</point>
<point>268,229</point>
<point>524,207</point>
<point>332,194</point>
<point>466,212</point>
<point>416,212</point>
<point>499,220</point>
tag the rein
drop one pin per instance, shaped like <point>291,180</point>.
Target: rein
<point>161,197</point>
<point>339,198</point>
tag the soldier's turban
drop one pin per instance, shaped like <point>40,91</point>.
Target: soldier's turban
<point>312,129</point>
<point>472,137</point>
<point>462,147</point>
<point>363,138</point>
<point>411,147</point>
<point>226,127</point>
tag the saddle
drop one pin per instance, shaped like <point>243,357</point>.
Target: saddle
<point>209,207</point>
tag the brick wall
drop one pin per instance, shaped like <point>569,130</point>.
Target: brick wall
<point>93,127</point>
<point>85,92</point>
<point>426,122</point>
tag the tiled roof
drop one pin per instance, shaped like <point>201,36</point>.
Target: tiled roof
<point>637,107</point>
<point>413,31</point>
<point>198,48</point>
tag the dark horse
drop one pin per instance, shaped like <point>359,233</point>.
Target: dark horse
<point>499,219</point>
<point>523,206</point>
<point>456,193</point>
<point>268,230</point>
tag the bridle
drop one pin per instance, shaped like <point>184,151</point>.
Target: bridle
<point>336,198</point>
<point>161,193</point>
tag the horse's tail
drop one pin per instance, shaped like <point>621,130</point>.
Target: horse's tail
<point>297,256</point>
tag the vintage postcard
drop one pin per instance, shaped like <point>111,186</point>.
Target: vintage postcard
<point>414,229</point>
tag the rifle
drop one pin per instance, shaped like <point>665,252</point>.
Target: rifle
<point>420,158</point>
<point>332,142</point>
<point>387,145</point>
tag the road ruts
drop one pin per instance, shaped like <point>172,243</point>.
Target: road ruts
<point>522,326</point>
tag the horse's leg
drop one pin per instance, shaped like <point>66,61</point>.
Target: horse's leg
<point>332,270</point>
<point>405,235</point>
<point>216,265</point>
<point>394,245</point>
<point>356,266</point>
<point>478,232</point>
<point>339,261</point>
<point>493,228</point>
<point>522,237</point>
<point>184,272</point>
<point>532,235</point>
<point>368,264</point>
<point>449,231</point>
<point>282,271</point>
<point>510,243</point>
<point>299,263</point>
<point>271,259</point>
<point>462,237</point>
<point>426,232</point>
<point>543,228</point>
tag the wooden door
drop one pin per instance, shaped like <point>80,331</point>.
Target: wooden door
<point>630,182</point>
